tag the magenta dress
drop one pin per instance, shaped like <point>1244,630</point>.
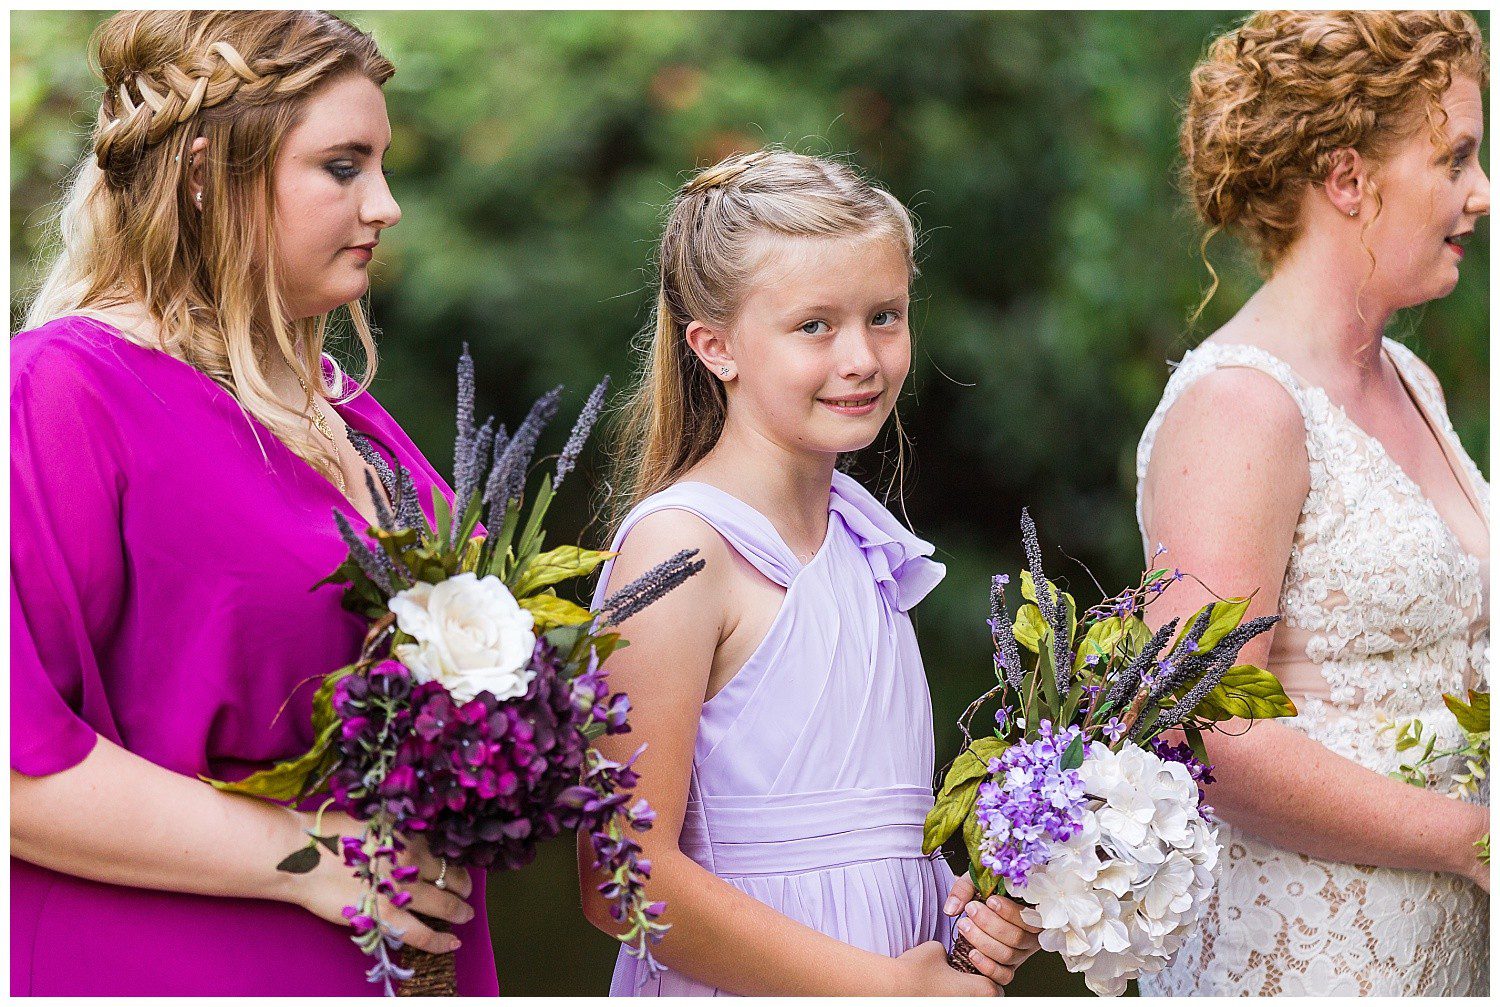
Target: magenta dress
<point>163,549</point>
<point>812,769</point>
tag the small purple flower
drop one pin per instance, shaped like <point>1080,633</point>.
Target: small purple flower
<point>1115,729</point>
<point>1030,804</point>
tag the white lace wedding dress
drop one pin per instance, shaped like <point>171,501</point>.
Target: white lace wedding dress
<point>1382,611</point>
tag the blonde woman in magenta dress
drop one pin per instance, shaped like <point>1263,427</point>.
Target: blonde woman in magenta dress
<point>1300,456</point>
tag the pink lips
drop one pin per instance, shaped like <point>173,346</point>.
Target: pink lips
<point>365,252</point>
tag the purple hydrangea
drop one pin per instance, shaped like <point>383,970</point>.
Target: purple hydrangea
<point>1030,803</point>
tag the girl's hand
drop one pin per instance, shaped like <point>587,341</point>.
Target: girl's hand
<point>924,972</point>
<point>328,888</point>
<point>1001,939</point>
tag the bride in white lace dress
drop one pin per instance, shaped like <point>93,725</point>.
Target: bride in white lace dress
<point>1298,455</point>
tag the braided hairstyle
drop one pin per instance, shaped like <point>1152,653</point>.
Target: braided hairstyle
<point>129,232</point>
<point>677,410</point>
<point>1272,101</point>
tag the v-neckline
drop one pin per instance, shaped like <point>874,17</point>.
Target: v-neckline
<point>260,428</point>
<point>1465,483</point>
<point>798,565</point>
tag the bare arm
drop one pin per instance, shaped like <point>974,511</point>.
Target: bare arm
<point>118,818</point>
<point>1226,484</point>
<point>719,935</point>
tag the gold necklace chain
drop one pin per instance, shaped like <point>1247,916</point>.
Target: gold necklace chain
<point>321,425</point>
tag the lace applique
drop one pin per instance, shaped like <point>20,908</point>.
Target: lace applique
<point>1395,615</point>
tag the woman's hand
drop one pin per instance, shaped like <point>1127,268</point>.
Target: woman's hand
<point>1001,939</point>
<point>924,972</point>
<point>328,888</point>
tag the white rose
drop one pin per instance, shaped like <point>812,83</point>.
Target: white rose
<point>470,635</point>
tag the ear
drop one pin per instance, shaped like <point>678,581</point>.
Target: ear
<point>196,170</point>
<point>1348,182</point>
<point>711,346</point>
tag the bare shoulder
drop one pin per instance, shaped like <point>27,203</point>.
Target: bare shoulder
<point>1235,410</point>
<point>662,534</point>
<point>1231,454</point>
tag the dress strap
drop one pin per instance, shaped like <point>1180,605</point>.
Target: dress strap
<point>747,531</point>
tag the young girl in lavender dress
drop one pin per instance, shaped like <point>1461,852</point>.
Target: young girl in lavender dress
<point>780,695</point>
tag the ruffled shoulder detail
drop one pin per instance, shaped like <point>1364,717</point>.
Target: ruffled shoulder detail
<point>899,559</point>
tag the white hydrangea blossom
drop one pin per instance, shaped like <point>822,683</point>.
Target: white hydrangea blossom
<point>1122,896</point>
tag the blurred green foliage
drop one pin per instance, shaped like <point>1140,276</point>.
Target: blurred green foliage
<point>532,155</point>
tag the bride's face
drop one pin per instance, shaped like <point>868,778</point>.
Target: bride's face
<point>1431,197</point>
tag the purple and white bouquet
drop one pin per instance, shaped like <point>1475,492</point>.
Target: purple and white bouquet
<point>1074,804</point>
<point>467,718</point>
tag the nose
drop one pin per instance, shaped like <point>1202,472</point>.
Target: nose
<point>857,354</point>
<point>380,208</point>
<point>1479,200</point>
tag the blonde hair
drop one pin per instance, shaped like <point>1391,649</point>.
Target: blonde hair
<point>1272,101</point>
<point>129,233</point>
<point>676,412</point>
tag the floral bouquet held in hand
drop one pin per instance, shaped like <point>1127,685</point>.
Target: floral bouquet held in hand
<point>467,718</point>
<point>1075,804</point>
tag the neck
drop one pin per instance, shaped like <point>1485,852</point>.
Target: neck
<point>789,487</point>
<point>1313,302</point>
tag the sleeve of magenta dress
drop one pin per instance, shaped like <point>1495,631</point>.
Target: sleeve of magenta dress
<point>67,572</point>
<point>164,552</point>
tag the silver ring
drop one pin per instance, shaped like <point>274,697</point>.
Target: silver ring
<point>442,879</point>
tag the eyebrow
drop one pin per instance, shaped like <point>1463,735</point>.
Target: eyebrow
<point>354,147</point>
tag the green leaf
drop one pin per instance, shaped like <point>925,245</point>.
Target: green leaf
<point>955,800</point>
<point>443,516</point>
<point>1028,592</point>
<point>1195,742</point>
<point>1248,692</point>
<point>285,781</point>
<point>549,610</point>
<point>302,861</point>
<point>1473,716</point>
<point>1072,757</point>
<point>1225,616</point>
<point>984,880</point>
<point>531,537</point>
<point>606,644</point>
<point>950,811</point>
<point>557,565</point>
<point>1101,639</point>
<point>322,703</point>
<point>1030,627</point>
<point>329,843</point>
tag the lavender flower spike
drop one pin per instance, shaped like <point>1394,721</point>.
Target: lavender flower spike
<point>649,587</point>
<point>369,560</point>
<point>465,435</point>
<point>1005,636</point>
<point>508,478</point>
<point>581,430</point>
<point>1051,604</point>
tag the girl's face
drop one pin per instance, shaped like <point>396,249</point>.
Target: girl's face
<point>1430,200</point>
<point>820,346</point>
<point>332,200</point>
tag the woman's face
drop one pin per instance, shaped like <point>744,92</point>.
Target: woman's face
<point>1430,200</point>
<point>332,200</point>
<point>820,343</point>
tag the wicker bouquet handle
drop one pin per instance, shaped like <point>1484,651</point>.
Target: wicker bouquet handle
<point>431,975</point>
<point>958,955</point>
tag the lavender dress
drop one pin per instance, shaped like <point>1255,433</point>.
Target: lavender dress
<point>812,770</point>
<point>163,548</point>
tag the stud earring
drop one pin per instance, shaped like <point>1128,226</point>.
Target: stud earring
<point>724,371</point>
<point>198,196</point>
<point>1354,212</point>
